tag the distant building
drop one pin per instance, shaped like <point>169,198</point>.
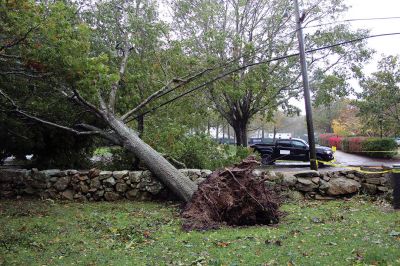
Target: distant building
<point>258,134</point>
<point>280,135</point>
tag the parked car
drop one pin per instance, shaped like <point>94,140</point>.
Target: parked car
<point>290,149</point>
<point>397,141</point>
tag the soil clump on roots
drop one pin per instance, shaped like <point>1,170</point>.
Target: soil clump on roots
<point>234,197</point>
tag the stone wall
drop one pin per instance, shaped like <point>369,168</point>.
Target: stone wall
<point>96,185</point>
<point>93,185</point>
<point>330,185</point>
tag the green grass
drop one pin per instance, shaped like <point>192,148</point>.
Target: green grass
<point>353,232</point>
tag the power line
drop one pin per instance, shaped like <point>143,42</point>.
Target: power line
<point>350,20</point>
<point>259,63</point>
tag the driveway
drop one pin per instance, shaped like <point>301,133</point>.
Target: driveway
<point>349,159</point>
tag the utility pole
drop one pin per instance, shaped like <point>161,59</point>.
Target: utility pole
<point>307,98</point>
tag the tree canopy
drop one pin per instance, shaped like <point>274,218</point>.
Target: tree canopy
<point>253,34</point>
<point>379,102</point>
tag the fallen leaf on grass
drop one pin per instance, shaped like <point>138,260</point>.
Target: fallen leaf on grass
<point>276,242</point>
<point>146,234</point>
<point>223,244</point>
<point>316,220</point>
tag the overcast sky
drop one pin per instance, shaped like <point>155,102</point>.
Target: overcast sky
<point>389,45</point>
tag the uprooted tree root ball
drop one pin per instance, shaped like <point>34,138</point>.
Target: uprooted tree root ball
<point>232,196</point>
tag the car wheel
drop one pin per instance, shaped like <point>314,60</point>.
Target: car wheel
<point>266,160</point>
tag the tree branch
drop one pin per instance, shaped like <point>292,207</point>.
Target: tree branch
<point>22,73</point>
<point>122,68</point>
<point>42,121</point>
<point>165,90</point>
<point>17,41</point>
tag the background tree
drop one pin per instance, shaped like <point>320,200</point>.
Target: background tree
<point>27,79</point>
<point>255,31</point>
<point>347,122</point>
<point>379,102</point>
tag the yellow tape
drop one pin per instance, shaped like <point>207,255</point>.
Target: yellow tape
<point>348,167</point>
<point>356,168</point>
<point>375,151</point>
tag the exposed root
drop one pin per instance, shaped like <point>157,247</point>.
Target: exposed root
<point>232,196</point>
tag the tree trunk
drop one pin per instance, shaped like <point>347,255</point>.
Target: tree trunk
<point>223,134</point>
<point>140,125</point>
<point>240,128</point>
<point>178,183</point>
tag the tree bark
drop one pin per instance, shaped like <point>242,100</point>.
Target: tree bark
<point>223,133</point>
<point>178,183</point>
<point>240,128</point>
<point>140,125</point>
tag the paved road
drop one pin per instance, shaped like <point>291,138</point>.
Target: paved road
<point>359,160</point>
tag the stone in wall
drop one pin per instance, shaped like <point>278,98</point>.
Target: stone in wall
<point>342,186</point>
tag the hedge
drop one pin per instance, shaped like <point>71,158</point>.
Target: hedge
<point>373,147</point>
<point>324,139</point>
<point>376,144</point>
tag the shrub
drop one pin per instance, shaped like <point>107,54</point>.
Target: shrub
<point>355,144</point>
<point>335,141</point>
<point>373,147</point>
<point>345,145</point>
<point>200,151</point>
<point>385,147</point>
<point>114,159</point>
<point>324,139</point>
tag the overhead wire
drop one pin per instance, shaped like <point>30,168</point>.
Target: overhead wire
<point>306,27</point>
<point>259,63</point>
<point>350,20</point>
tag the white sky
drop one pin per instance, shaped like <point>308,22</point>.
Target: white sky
<point>390,45</point>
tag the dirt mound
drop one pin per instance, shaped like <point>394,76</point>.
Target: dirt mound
<point>232,196</point>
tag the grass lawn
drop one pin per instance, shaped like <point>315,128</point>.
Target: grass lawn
<point>354,232</point>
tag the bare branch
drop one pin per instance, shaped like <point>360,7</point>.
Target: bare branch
<point>107,135</point>
<point>18,40</point>
<point>165,90</point>
<point>42,121</point>
<point>122,68</point>
<point>22,73</point>
<point>78,98</point>
<point>9,56</point>
<point>37,119</point>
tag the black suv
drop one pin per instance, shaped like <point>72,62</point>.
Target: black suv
<point>290,149</point>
